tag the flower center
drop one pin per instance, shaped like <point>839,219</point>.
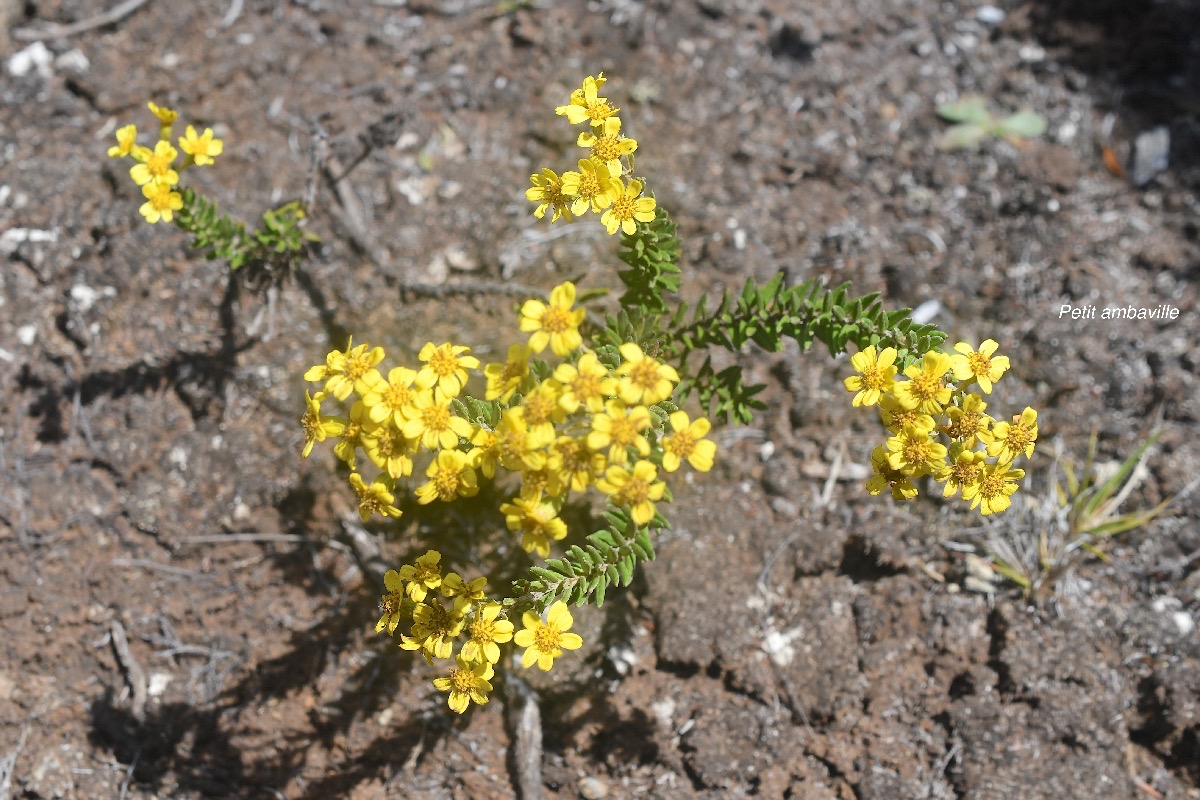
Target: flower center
<point>624,432</point>
<point>357,366</point>
<point>556,319</point>
<point>606,148</point>
<point>635,491</point>
<point>926,386</point>
<point>681,444</point>
<point>586,386</point>
<point>539,408</point>
<point>872,378</point>
<point>436,418</point>
<point>599,111</point>
<point>622,207</point>
<point>644,374</point>
<point>546,638</point>
<point>443,363</point>
<point>446,483</point>
<point>463,680</point>
<point>397,397</point>
<point>1019,437</point>
<point>979,363</point>
<point>992,486</point>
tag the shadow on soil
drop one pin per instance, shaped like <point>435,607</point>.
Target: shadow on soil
<point>1146,56</point>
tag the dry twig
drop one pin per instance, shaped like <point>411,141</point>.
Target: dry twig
<point>56,31</point>
<point>133,670</point>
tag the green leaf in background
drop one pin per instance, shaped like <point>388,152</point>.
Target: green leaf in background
<point>970,110</point>
<point>1024,123</point>
<point>962,137</point>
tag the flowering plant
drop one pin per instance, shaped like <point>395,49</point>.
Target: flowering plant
<point>590,403</point>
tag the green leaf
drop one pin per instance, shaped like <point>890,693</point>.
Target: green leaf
<point>971,110</point>
<point>1025,123</point>
<point>962,137</point>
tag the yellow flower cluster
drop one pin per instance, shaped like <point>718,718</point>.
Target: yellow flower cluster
<point>155,170</point>
<point>410,592</point>
<point>582,424</point>
<point>598,185</point>
<point>935,405</point>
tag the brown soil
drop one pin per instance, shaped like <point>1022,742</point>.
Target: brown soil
<point>788,642</point>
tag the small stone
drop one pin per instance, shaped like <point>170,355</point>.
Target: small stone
<point>34,57</point>
<point>158,684</point>
<point>1032,53</point>
<point>990,15</point>
<point>26,334</point>
<point>592,789</point>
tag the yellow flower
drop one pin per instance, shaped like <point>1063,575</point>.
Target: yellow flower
<point>432,422</point>
<point>373,499</point>
<point>517,447</point>
<point>914,453</point>
<point>547,482</point>
<point>434,628</point>
<point>545,641</point>
<point>592,187</point>
<point>555,324</point>
<point>450,476</point>
<point>317,427</point>
<point>979,366</point>
<point>453,586</point>
<point>1011,439</point>
<point>156,165</point>
<point>161,202</point>
<point>165,115</point>
<point>387,400</point>
<point>547,192</point>
<point>638,489</point>
<point>926,388</point>
<point>877,375</point>
<point>586,383</point>
<point>965,470</point>
<point>688,443</point>
<point>577,464</point>
<point>422,575</point>
<point>351,370</point>
<point>201,148</point>
<point>895,416</point>
<point>485,454</point>
<point>609,146</point>
<point>352,437</point>
<point>586,105</point>
<point>542,411</point>
<point>392,603</point>
<point>627,207</point>
<point>467,683</point>
<point>968,424</point>
<point>642,379</point>
<point>126,139</point>
<point>887,478</point>
<point>388,448</point>
<point>618,428</point>
<point>504,379</point>
<point>445,368</point>
<point>485,634</point>
<point>993,490</point>
<point>538,522</point>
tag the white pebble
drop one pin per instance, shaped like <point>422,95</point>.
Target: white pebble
<point>36,56</point>
<point>26,334</point>
<point>990,15</point>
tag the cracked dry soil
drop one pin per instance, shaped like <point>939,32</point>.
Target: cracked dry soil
<point>795,638</point>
